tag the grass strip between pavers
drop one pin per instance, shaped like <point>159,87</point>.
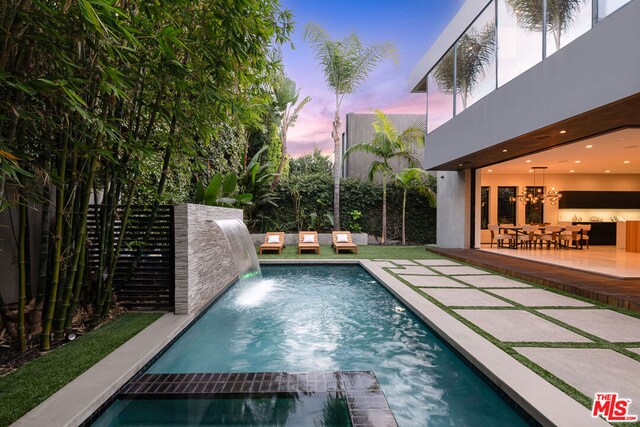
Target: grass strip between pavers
<point>508,347</point>
<point>31,384</point>
<point>364,252</point>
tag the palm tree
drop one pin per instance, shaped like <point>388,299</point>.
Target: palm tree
<point>474,51</point>
<point>286,95</point>
<point>388,143</point>
<point>418,180</point>
<point>346,65</point>
<point>560,15</point>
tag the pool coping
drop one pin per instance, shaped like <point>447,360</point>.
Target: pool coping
<point>75,402</point>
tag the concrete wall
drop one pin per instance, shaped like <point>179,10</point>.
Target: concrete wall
<point>204,263</point>
<point>599,67</point>
<point>453,226</point>
<point>9,251</point>
<point>359,129</point>
<point>291,239</point>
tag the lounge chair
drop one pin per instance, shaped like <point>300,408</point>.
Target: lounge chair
<point>308,241</point>
<point>342,241</point>
<point>273,241</point>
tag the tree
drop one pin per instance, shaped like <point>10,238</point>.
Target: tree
<point>560,15</point>
<point>311,163</point>
<point>346,64</point>
<point>418,180</point>
<point>473,52</point>
<point>286,95</point>
<point>389,143</point>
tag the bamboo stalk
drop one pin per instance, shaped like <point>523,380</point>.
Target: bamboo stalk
<point>22,279</point>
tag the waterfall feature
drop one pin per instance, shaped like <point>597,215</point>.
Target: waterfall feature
<point>242,246</point>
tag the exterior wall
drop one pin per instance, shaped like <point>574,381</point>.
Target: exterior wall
<point>204,263</point>
<point>325,239</point>
<point>359,128</point>
<point>599,67</point>
<point>453,226</point>
<point>9,223</point>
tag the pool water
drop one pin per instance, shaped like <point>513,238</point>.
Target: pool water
<point>298,410</point>
<point>323,318</point>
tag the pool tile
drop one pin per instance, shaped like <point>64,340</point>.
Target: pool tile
<point>452,271</point>
<point>591,370</point>
<point>606,324</point>
<point>492,281</point>
<point>413,269</point>
<point>539,298</point>
<point>465,297</point>
<point>519,325</point>
<point>432,281</point>
<point>439,261</point>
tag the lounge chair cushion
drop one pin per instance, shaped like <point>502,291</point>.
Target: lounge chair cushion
<point>273,239</point>
<point>342,238</point>
<point>308,238</point>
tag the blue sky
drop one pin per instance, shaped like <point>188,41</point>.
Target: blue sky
<point>412,25</point>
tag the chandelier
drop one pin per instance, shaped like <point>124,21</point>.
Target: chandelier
<point>536,194</point>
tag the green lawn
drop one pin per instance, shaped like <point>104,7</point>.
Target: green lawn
<point>31,384</point>
<point>365,252</point>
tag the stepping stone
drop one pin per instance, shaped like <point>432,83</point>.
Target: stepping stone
<point>381,263</point>
<point>539,298</point>
<point>439,261</point>
<point>607,324</point>
<point>413,269</point>
<point>465,298</point>
<point>519,325</point>
<point>432,281</point>
<point>492,281</point>
<point>402,261</point>
<point>451,271</point>
<point>591,370</point>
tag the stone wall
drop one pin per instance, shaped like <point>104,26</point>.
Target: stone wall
<point>204,263</point>
<point>291,239</point>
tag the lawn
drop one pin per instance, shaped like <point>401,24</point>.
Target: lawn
<point>365,252</point>
<point>31,384</point>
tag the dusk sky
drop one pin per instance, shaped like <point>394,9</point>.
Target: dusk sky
<point>412,25</point>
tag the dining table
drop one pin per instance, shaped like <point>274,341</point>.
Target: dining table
<point>518,228</point>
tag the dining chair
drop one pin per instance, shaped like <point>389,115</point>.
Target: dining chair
<point>550,235</point>
<point>495,235</point>
<point>585,234</point>
<point>571,234</point>
<point>526,237</point>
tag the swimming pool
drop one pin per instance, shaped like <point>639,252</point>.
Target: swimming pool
<point>337,318</point>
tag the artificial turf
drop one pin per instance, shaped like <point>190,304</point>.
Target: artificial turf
<point>31,384</point>
<point>364,252</point>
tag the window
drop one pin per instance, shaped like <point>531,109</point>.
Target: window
<point>566,21</point>
<point>534,212</point>
<point>519,43</point>
<point>440,92</point>
<point>476,60</point>
<point>506,208</point>
<point>607,7</point>
<point>484,207</point>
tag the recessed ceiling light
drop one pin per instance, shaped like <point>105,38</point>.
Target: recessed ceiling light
<point>490,170</point>
<point>530,170</point>
<point>607,171</point>
<point>563,131</point>
<point>572,171</point>
<point>577,161</point>
<point>528,161</point>
<point>460,164</point>
<point>626,162</point>
<point>589,146</point>
<point>621,139</point>
<point>505,150</point>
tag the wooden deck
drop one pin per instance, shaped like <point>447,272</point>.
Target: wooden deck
<point>623,293</point>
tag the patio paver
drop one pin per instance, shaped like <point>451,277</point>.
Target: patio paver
<point>451,271</point>
<point>439,261</point>
<point>432,281</point>
<point>519,325</point>
<point>539,298</point>
<point>635,350</point>
<point>413,269</point>
<point>399,261</point>
<point>591,370</point>
<point>383,263</point>
<point>465,297</point>
<point>492,281</point>
<point>606,324</point>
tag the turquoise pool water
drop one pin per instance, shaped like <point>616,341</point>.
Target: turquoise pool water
<point>311,318</point>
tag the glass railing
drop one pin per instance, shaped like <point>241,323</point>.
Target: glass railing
<point>505,40</point>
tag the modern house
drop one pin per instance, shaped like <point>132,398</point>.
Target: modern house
<point>358,129</point>
<point>539,98</point>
